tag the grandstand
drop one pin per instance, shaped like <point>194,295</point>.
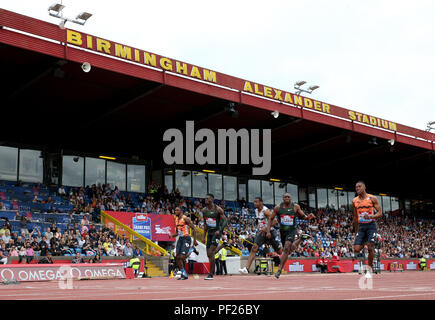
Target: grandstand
<point>99,134</point>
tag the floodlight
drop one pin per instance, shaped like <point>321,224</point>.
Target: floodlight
<point>275,114</point>
<point>86,66</point>
<point>391,142</point>
<point>313,88</point>
<point>84,16</point>
<point>56,7</point>
<point>300,83</point>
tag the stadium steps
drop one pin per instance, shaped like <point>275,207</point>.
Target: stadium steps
<point>153,270</point>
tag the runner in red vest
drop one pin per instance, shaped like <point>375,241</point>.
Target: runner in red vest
<point>364,222</point>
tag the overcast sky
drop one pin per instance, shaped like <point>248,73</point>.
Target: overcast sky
<point>377,57</point>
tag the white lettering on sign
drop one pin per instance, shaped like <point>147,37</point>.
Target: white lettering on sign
<point>411,266</point>
<point>63,272</point>
<point>296,267</point>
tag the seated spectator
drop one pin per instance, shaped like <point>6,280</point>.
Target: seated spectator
<point>2,206</point>
<point>47,260</point>
<point>3,256</point>
<point>322,264</point>
<point>7,236</point>
<point>3,230</point>
<point>13,252</point>
<point>23,223</point>
<point>29,253</point>
<point>61,192</point>
<point>128,250</point>
<point>43,246</point>
<point>137,252</point>
<point>22,254</point>
<point>77,259</point>
<point>48,234</point>
<point>95,259</point>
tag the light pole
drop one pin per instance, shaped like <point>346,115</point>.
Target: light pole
<point>299,90</point>
<point>55,10</point>
<point>430,126</point>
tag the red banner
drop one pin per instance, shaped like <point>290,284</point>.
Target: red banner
<point>162,225</point>
<point>347,265</point>
<point>49,272</point>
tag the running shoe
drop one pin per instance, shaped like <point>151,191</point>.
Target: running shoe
<point>183,277</point>
<point>244,271</point>
<point>209,277</point>
<point>277,274</point>
<point>178,275</point>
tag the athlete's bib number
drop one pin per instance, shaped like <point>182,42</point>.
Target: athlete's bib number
<point>211,222</point>
<point>287,220</point>
<point>362,219</point>
<point>262,223</point>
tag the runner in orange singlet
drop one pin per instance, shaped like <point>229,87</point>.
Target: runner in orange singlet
<point>364,221</point>
<point>184,243</point>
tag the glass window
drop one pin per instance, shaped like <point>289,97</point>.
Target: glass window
<point>242,191</point>
<point>312,197</point>
<point>322,198</point>
<point>72,171</point>
<point>342,199</point>
<point>199,184</point>
<point>332,199</point>
<point>183,182</point>
<point>116,175</point>
<point>31,168</point>
<point>267,192</point>
<point>230,188</point>
<point>294,192</point>
<point>95,171</point>
<point>303,196</point>
<point>169,181</point>
<point>408,206</point>
<point>350,197</point>
<point>394,203</point>
<point>135,178</point>
<point>215,185</point>
<point>279,192</point>
<point>386,204</point>
<point>253,189</point>
<point>8,163</point>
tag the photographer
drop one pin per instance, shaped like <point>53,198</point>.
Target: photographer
<point>77,259</point>
<point>47,260</point>
<point>322,264</point>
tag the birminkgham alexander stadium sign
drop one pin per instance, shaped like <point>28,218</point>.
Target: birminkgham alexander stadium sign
<point>148,59</point>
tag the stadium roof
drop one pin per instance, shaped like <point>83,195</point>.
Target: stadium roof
<point>130,96</point>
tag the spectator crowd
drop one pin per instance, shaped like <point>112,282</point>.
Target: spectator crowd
<point>331,231</point>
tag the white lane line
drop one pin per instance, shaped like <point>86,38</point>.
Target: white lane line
<point>396,296</point>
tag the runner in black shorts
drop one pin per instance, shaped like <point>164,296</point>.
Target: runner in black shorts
<point>262,215</point>
<point>184,244</point>
<point>365,222</point>
<point>214,223</point>
<point>286,213</point>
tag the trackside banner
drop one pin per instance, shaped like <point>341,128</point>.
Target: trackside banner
<point>156,227</point>
<point>48,272</point>
<point>309,265</point>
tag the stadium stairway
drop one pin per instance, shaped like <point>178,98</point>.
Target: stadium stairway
<point>153,269</point>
